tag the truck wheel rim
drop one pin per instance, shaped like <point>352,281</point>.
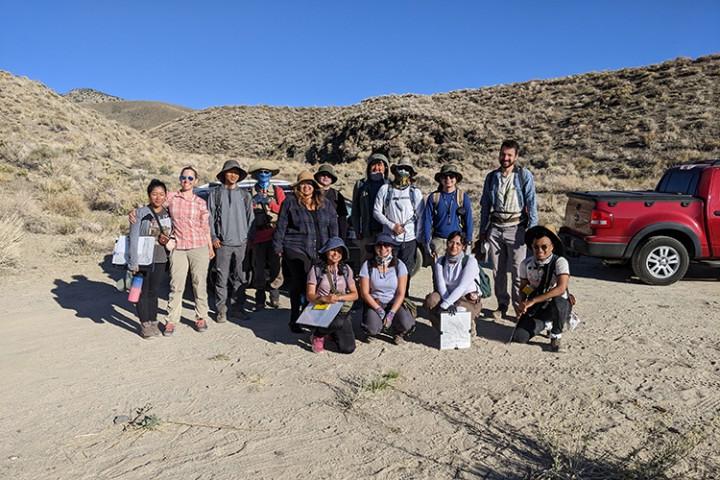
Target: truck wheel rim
<point>663,262</point>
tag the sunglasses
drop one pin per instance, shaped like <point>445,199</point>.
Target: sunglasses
<point>189,178</point>
<point>544,248</point>
<point>448,175</point>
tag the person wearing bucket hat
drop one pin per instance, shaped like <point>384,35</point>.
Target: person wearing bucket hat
<point>231,216</point>
<point>544,279</point>
<point>383,285</point>
<point>399,208</point>
<point>363,200</point>
<point>266,202</point>
<point>508,207</point>
<point>331,281</point>
<point>306,222</point>
<point>447,210</point>
<point>326,177</point>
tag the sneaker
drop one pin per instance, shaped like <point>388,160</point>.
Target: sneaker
<point>169,329</point>
<point>554,344</point>
<point>200,325</point>
<point>240,313</point>
<point>259,307</point>
<point>399,339</point>
<point>318,343</point>
<point>274,302</point>
<point>149,330</point>
<point>500,312</point>
<point>221,315</point>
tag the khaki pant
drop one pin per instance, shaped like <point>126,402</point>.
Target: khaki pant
<point>197,261</point>
<point>507,251</point>
<point>432,305</point>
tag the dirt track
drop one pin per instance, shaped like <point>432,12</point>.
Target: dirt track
<point>249,400</point>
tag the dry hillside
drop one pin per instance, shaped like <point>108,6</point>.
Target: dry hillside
<point>597,130</point>
<point>140,115</point>
<point>67,170</point>
<point>90,95</point>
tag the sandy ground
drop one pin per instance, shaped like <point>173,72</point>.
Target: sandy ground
<point>248,400</point>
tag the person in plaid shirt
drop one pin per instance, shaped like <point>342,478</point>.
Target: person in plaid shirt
<point>193,250</point>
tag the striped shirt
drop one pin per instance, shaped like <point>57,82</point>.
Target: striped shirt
<point>191,221</point>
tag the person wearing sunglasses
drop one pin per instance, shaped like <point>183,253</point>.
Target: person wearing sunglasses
<point>306,222</point>
<point>266,202</point>
<point>231,216</point>
<point>544,280</point>
<point>383,284</point>
<point>447,210</point>
<point>193,250</point>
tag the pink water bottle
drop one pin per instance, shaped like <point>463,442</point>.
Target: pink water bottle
<point>135,288</point>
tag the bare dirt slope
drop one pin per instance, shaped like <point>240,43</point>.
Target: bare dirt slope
<point>249,400</point>
<point>140,115</point>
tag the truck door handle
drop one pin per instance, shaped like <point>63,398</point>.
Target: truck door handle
<point>716,213</point>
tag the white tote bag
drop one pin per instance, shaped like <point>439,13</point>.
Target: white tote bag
<point>121,252</point>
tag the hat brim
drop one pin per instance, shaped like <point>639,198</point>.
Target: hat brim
<point>311,180</point>
<point>345,251</point>
<point>273,171</point>
<point>221,176</point>
<point>438,176</point>
<point>334,178</point>
<point>542,231</point>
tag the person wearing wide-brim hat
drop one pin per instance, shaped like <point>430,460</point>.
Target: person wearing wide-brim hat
<point>544,279</point>
<point>363,199</point>
<point>331,281</point>
<point>231,216</point>
<point>326,177</point>
<point>447,210</point>
<point>229,166</point>
<point>266,201</point>
<point>398,208</point>
<point>383,285</point>
<point>305,223</point>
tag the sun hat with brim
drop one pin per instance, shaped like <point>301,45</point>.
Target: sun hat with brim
<point>404,163</point>
<point>306,176</point>
<point>549,231</point>
<point>229,165</point>
<point>385,238</point>
<point>332,244</point>
<point>263,165</point>
<point>328,170</point>
<point>448,169</point>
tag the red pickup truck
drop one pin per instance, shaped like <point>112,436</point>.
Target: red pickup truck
<point>658,231</point>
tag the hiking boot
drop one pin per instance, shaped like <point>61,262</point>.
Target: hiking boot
<point>274,299</point>
<point>221,315</point>
<point>259,306</point>
<point>318,343</point>
<point>200,325</point>
<point>499,312</point>
<point>399,339</point>
<point>149,329</point>
<point>554,344</point>
<point>169,329</point>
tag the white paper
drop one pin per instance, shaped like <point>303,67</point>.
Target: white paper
<point>455,330</point>
<point>320,315</point>
<point>146,249</point>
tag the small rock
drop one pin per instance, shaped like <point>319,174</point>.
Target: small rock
<point>13,457</point>
<point>121,419</point>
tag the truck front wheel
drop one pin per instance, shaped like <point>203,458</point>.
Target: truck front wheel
<point>661,261</point>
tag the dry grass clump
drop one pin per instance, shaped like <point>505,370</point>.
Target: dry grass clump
<point>11,236</point>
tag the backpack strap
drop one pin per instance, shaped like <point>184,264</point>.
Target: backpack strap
<point>388,197</point>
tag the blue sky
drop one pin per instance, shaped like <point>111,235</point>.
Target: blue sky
<point>211,52</point>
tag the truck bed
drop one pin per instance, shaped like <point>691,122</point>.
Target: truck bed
<point>633,195</point>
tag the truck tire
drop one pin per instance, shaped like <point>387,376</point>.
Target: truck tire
<point>660,261</point>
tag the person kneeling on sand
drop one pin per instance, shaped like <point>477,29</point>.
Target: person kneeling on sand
<point>383,282</point>
<point>455,275</point>
<point>153,220</point>
<point>544,278</point>
<point>331,281</point>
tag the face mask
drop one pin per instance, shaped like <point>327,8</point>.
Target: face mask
<point>376,176</point>
<point>263,179</point>
<point>454,259</point>
<point>402,178</point>
<point>383,260</point>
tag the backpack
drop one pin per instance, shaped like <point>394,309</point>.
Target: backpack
<point>482,281</point>
<point>344,271</point>
<point>264,218</point>
<point>459,197</point>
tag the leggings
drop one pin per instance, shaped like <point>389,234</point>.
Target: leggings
<point>341,331</point>
<point>295,270</point>
<point>147,305</point>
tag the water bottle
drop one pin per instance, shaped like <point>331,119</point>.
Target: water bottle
<point>135,288</point>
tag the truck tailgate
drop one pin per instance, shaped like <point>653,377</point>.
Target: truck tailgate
<point>577,214</point>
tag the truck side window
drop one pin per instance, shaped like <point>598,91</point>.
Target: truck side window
<point>683,182</point>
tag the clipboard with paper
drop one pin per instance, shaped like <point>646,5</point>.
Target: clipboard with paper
<point>320,314</point>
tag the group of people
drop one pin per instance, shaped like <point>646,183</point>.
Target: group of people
<point>300,240</point>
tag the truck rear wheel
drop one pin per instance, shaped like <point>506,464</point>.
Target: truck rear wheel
<point>661,261</point>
